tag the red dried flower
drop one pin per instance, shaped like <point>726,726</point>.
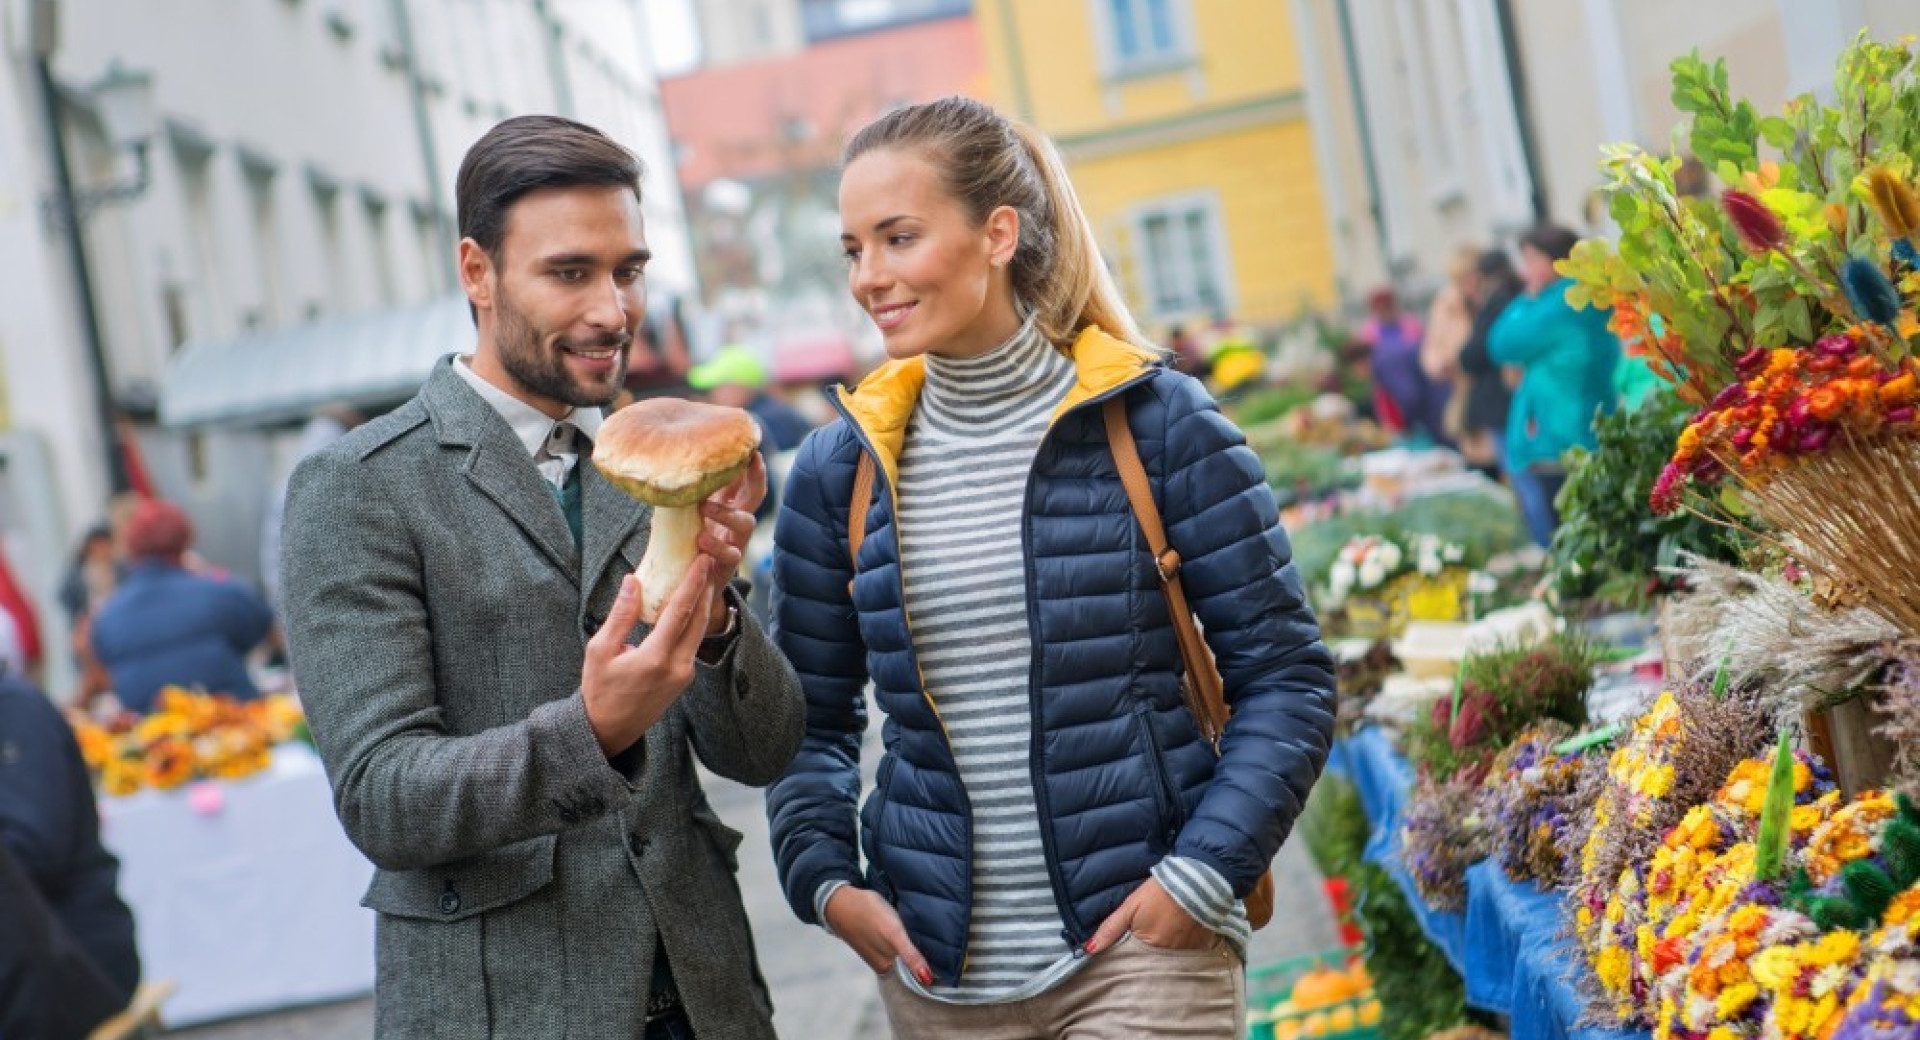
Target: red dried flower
<point>1759,228</point>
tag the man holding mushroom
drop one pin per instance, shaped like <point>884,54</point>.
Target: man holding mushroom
<point>507,739</point>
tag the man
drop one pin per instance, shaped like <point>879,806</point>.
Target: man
<point>461,618</point>
<point>736,378</point>
<point>166,625</point>
<point>67,957</point>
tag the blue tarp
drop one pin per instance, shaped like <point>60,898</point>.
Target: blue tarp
<point>1507,944</point>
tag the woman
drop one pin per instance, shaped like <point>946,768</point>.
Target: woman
<point>1049,839</point>
<point>1566,357</point>
<point>1487,398</point>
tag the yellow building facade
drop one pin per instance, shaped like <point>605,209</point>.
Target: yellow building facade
<point>1185,128</point>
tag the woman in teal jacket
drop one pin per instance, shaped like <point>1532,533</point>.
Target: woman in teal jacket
<point>1567,358</point>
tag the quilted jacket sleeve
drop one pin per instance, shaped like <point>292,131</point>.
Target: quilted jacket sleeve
<point>811,809</point>
<point>1239,576</point>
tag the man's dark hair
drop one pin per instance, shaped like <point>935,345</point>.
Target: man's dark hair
<point>1551,239</point>
<point>527,153</point>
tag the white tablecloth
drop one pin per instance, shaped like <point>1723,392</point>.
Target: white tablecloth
<point>245,893</point>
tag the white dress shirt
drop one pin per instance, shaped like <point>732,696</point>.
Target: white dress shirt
<point>551,443</point>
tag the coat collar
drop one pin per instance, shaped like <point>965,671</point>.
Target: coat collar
<point>883,403</point>
<point>499,465</point>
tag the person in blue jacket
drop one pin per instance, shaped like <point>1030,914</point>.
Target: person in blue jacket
<point>1567,358</point>
<point>165,625</point>
<point>1050,844</point>
<point>67,954</point>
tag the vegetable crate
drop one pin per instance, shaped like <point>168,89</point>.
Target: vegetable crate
<point>1320,996</point>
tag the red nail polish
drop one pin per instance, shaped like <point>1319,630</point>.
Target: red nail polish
<point>926,976</point>
<point>1093,945</point>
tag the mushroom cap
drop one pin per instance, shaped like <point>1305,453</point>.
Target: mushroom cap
<point>668,452</point>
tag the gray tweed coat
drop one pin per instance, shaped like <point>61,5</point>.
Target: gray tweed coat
<point>438,615</point>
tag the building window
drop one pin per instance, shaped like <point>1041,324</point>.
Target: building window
<point>382,247</point>
<point>1181,258</point>
<point>266,231</point>
<point>1142,33</point>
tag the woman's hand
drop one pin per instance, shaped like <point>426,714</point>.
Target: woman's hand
<point>1155,919</point>
<point>871,926</point>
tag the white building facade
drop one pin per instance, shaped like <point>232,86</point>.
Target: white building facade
<point>297,210</point>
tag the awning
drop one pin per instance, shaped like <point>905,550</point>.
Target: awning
<point>262,379</point>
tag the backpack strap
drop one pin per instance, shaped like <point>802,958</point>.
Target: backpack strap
<point>857,516</point>
<point>1205,697</point>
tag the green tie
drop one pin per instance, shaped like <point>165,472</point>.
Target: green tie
<point>568,495</point>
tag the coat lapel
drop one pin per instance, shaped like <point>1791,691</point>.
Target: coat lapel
<point>499,466</point>
<point>610,516</point>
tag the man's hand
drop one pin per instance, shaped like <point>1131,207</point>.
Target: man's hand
<point>1155,919</point>
<point>627,687</point>
<point>871,926</point>
<point>728,515</point>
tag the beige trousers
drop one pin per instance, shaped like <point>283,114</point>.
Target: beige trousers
<point>1131,991</point>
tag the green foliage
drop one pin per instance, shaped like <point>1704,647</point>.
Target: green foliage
<point>1868,887</point>
<point>1610,544</point>
<point>1503,692</point>
<point>1771,846</point>
<point>1298,470</point>
<point>1269,403</point>
<point>1679,264</point>
<point>1483,525</point>
<point>1419,992</point>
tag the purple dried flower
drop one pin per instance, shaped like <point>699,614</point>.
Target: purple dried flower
<point>1840,346</point>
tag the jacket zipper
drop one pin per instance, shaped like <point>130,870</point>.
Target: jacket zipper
<point>1077,933</point>
<point>900,570</point>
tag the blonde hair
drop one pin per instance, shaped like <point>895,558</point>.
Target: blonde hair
<point>989,161</point>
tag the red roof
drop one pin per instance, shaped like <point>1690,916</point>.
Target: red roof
<point>795,112</point>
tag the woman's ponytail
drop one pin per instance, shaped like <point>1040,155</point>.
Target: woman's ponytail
<point>1071,288</point>
<point>989,161</point>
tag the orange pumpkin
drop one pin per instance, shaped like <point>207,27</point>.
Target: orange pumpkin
<point>1322,987</point>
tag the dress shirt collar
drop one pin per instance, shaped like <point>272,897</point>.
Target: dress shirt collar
<point>531,425</point>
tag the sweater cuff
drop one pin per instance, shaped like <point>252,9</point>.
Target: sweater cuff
<point>820,897</point>
<point>1207,898</point>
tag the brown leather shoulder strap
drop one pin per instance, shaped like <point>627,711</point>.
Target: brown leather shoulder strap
<point>862,500</point>
<point>1208,699</point>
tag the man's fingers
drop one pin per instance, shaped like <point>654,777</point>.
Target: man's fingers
<point>620,620</point>
<point>1113,927</point>
<point>690,608</point>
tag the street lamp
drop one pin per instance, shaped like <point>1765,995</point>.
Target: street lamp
<point>123,102</point>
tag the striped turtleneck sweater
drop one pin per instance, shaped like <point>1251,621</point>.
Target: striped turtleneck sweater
<point>962,490</point>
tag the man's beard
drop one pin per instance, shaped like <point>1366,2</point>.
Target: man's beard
<point>542,371</point>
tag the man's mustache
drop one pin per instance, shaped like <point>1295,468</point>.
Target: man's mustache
<point>616,340</point>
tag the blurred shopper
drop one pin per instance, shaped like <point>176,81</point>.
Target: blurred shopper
<point>92,574</point>
<point>1188,357</point>
<point>1449,323</point>
<point>1418,402</point>
<point>1567,359</point>
<point>1486,397</point>
<point>1052,849</point>
<point>326,426</point>
<point>658,357</point>
<point>67,956</point>
<point>166,625</point>
<point>25,625</point>
<point>736,377</point>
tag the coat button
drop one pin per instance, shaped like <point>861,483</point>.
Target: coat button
<point>449,902</point>
<point>637,844</point>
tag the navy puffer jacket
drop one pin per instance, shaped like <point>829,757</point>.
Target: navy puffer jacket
<point>1121,775</point>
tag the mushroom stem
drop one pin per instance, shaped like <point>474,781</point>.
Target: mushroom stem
<point>671,547</point>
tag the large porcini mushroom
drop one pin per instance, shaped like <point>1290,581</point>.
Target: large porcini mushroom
<point>672,454</point>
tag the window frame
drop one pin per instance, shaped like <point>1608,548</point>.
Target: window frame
<point>1114,64</point>
<point>1150,268</point>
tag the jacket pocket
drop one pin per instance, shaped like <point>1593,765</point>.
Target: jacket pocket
<point>725,839</point>
<point>459,890</point>
<point>1172,812</point>
<point>872,824</point>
